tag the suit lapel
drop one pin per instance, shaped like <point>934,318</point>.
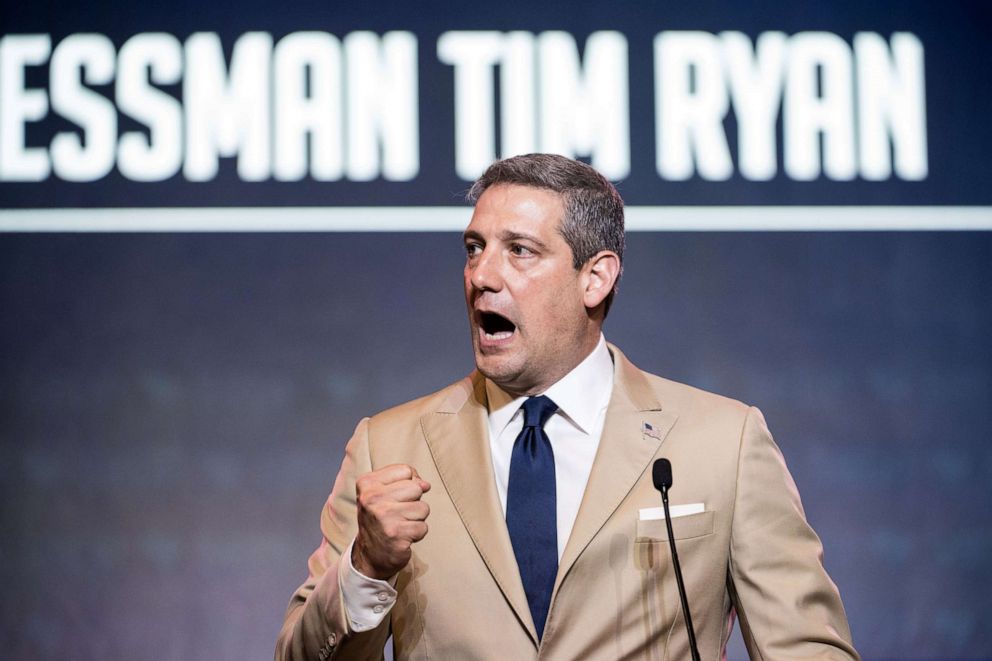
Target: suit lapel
<point>458,437</point>
<point>634,430</point>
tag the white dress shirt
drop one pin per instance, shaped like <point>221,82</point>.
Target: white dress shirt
<point>574,430</point>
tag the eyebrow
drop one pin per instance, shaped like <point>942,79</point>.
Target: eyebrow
<point>506,236</point>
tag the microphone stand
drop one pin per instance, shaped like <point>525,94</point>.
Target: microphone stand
<point>678,574</point>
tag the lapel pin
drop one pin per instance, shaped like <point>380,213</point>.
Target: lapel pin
<point>648,430</point>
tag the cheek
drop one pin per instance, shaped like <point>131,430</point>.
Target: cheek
<point>559,309</point>
<point>546,304</point>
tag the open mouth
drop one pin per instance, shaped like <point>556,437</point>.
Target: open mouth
<point>495,326</point>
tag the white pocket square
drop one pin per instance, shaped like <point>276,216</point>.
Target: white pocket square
<point>658,513</point>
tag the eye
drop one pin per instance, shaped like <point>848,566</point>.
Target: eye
<point>520,250</point>
<point>473,249</point>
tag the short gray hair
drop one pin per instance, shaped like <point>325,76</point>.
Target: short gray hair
<point>593,219</point>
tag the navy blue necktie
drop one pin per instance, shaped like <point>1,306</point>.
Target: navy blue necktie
<point>531,512</point>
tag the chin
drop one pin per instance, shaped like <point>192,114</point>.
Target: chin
<point>495,370</point>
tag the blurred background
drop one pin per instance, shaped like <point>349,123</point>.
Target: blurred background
<point>229,231</point>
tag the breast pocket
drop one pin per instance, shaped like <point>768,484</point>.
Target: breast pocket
<point>683,527</point>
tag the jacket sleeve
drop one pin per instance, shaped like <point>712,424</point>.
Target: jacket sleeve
<point>787,605</point>
<point>316,625</point>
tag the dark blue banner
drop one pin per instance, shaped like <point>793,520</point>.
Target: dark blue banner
<point>185,345</point>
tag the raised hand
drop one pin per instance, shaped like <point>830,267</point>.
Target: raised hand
<point>391,517</point>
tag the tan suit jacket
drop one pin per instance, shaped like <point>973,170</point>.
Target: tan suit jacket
<point>615,596</point>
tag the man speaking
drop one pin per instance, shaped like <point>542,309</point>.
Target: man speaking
<point>512,515</point>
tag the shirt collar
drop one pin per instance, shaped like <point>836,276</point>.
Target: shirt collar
<point>580,395</point>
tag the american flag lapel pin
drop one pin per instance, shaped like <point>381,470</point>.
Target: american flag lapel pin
<point>648,430</point>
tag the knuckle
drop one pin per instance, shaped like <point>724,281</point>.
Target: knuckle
<point>419,511</point>
<point>366,483</point>
<point>366,501</point>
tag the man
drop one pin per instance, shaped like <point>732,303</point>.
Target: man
<point>512,515</point>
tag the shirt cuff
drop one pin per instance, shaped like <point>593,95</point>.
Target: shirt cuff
<point>366,600</point>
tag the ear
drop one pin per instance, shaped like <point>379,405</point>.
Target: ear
<point>599,275</point>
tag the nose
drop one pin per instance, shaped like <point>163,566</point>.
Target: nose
<point>484,271</point>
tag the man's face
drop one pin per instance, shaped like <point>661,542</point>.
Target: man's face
<point>525,303</point>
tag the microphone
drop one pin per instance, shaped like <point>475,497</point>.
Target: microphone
<point>661,474</point>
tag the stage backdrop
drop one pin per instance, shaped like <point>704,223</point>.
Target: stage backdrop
<point>231,230</point>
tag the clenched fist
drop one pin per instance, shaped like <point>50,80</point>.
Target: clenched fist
<point>391,517</point>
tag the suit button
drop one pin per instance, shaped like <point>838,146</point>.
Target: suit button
<point>382,596</point>
<point>377,609</point>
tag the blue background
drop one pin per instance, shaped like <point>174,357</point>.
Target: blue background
<point>173,407</point>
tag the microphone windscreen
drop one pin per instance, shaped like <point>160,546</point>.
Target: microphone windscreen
<point>661,472</point>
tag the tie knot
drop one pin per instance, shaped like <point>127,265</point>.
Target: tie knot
<point>537,410</point>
